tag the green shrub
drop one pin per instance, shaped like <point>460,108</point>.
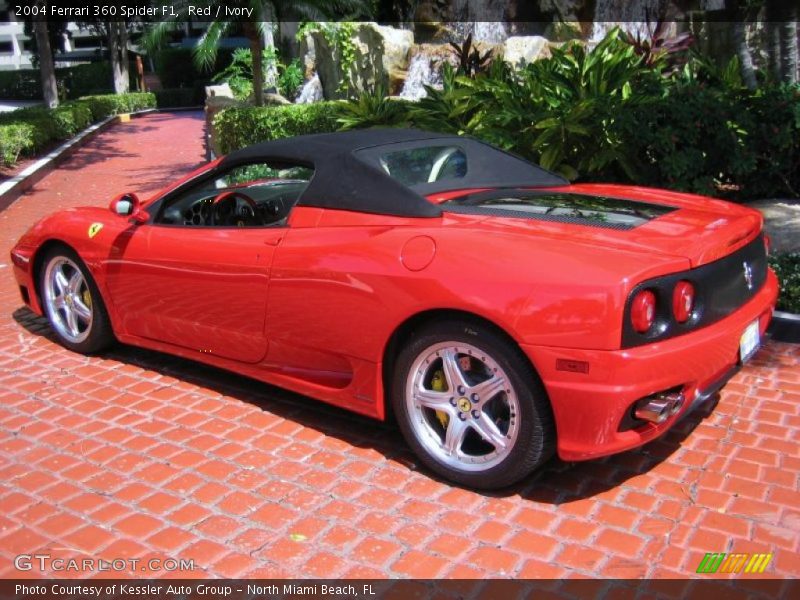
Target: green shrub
<point>735,144</point>
<point>82,80</point>
<point>176,68</point>
<point>238,127</point>
<point>25,84</point>
<point>27,131</point>
<point>787,268</point>
<point>114,104</point>
<point>175,97</point>
<point>16,139</point>
<point>72,82</point>
<point>606,115</point>
<point>375,109</point>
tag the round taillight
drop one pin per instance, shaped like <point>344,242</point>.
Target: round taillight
<point>643,311</point>
<point>683,301</point>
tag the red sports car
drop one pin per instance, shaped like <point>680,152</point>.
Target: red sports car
<point>500,314</point>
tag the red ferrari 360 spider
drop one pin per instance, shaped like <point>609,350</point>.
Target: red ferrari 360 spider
<point>499,313</point>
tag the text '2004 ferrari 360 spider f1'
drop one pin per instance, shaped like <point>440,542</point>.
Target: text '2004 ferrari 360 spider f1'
<point>500,314</point>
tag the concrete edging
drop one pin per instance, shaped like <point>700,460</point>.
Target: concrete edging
<point>785,327</point>
<point>11,190</point>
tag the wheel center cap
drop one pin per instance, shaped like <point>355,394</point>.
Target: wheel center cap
<point>464,405</point>
<point>69,300</point>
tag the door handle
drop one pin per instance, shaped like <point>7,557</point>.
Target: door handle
<point>274,240</point>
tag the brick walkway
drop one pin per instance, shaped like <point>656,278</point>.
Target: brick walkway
<point>137,454</point>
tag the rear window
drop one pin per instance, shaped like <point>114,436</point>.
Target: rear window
<point>425,165</point>
<point>581,209</point>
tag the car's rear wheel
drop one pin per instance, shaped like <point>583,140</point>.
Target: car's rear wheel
<point>72,302</point>
<point>471,406</point>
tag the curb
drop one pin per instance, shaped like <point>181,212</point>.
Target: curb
<point>11,190</point>
<point>785,327</point>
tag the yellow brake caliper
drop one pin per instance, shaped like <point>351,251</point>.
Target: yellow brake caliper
<point>439,384</point>
<point>87,298</point>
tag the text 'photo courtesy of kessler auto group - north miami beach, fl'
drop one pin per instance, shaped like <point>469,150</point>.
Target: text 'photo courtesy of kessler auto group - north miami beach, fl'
<point>436,299</point>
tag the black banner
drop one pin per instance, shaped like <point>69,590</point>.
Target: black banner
<point>742,587</point>
<point>411,11</point>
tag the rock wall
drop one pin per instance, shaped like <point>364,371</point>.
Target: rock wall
<point>381,59</point>
<point>386,56</point>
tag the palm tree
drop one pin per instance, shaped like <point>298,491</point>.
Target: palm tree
<point>46,66</point>
<point>788,36</point>
<point>256,18</point>
<point>118,52</point>
<point>782,35</point>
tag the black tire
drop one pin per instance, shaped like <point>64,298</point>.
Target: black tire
<point>535,436</point>
<point>99,334</point>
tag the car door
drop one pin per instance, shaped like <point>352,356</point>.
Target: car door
<point>185,281</point>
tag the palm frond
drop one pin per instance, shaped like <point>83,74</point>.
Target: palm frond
<point>205,53</point>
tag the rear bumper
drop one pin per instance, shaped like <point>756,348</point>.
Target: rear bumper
<point>590,407</point>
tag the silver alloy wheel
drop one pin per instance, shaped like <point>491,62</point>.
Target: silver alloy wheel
<point>471,421</point>
<point>66,295</point>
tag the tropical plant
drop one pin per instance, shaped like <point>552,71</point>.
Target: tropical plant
<point>239,73</point>
<point>660,48</point>
<point>470,60</point>
<point>562,111</point>
<point>290,78</point>
<point>702,68</point>
<point>256,26</point>
<point>452,109</point>
<point>373,109</point>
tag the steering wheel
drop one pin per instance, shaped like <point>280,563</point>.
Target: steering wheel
<point>225,210</point>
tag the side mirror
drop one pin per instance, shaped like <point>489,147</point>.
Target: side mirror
<point>128,205</point>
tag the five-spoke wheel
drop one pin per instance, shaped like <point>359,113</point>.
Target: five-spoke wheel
<point>72,302</point>
<point>471,406</point>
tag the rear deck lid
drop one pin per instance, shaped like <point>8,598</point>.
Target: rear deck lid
<point>699,230</point>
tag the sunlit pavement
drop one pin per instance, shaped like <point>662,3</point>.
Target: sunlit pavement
<point>137,454</point>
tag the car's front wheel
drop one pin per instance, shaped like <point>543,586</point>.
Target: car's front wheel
<point>470,405</point>
<point>72,302</point>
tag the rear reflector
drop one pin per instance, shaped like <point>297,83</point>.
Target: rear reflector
<point>572,366</point>
<point>683,301</point>
<point>643,311</point>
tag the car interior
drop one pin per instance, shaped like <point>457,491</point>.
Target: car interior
<point>257,195</point>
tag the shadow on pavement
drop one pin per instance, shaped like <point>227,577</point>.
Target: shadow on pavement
<point>556,483</point>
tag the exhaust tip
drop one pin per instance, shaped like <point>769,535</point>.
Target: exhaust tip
<point>658,407</point>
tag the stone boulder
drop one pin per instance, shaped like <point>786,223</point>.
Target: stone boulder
<point>381,58</point>
<point>219,91</point>
<point>519,51</point>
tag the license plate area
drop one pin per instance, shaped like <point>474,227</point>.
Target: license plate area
<point>749,342</point>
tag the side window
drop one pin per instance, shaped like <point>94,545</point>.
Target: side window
<point>260,194</point>
<point>425,165</point>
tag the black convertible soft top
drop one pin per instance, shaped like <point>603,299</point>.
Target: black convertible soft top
<point>348,173</point>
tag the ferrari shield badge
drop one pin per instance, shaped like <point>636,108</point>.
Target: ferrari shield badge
<point>94,229</point>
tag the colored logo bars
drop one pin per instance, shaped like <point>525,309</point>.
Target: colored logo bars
<point>720,562</point>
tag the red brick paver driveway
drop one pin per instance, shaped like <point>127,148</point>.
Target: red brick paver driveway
<point>137,454</point>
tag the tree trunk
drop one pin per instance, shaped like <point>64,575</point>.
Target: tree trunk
<point>118,50</point>
<point>773,17</point>
<point>256,50</point>
<point>46,66</point>
<point>789,45</point>
<point>743,52</point>
<point>287,35</point>
<point>271,71</point>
